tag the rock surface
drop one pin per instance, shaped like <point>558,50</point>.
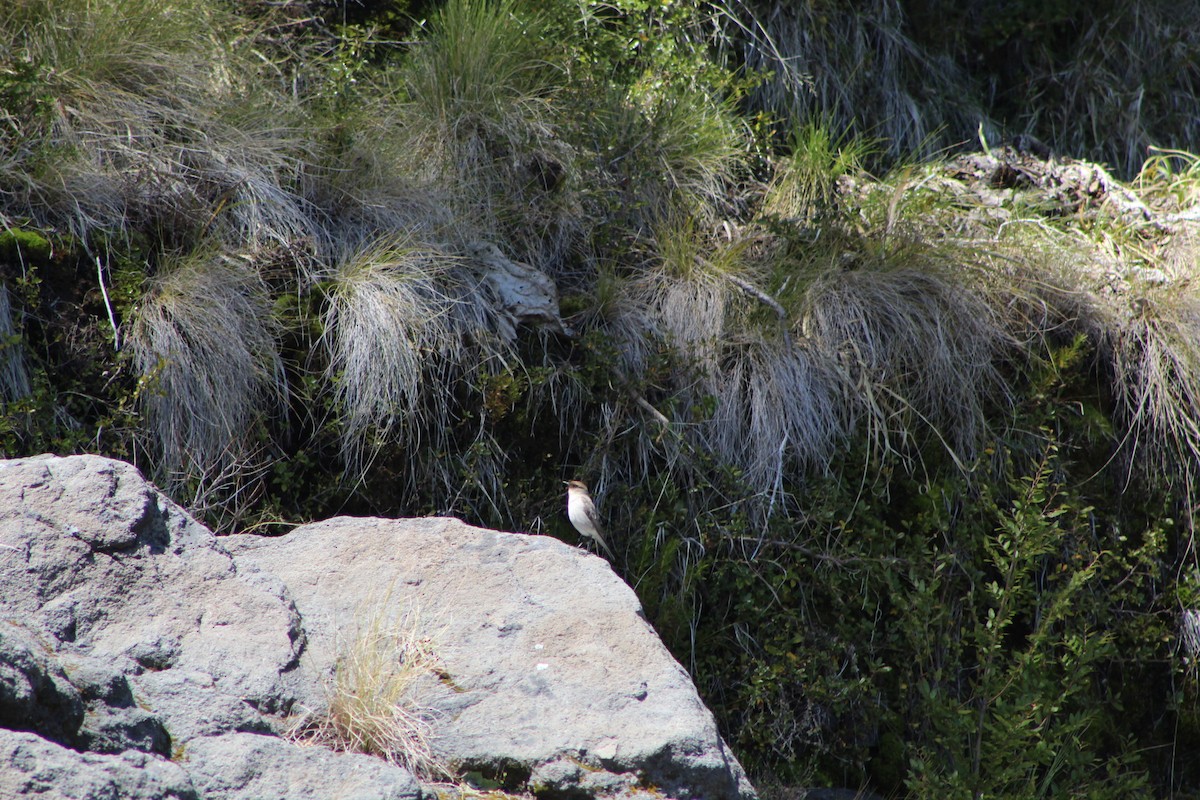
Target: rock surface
<point>139,601</point>
<point>248,766</point>
<point>549,669</point>
<point>140,656</point>
<point>31,766</point>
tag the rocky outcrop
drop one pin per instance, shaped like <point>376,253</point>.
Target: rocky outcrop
<point>31,766</point>
<point>250,766</point>
<point>141,656</point>
<point>547,668</point>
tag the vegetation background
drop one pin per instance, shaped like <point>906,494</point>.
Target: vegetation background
<point>897,444</point>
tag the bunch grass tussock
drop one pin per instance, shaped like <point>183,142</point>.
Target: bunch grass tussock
<point>146,118</point>
<point>476,103</point>
<point>371,179</point>
<point>915,343</point>
<point>805,183</point>
<point>780,413</point>
<point>481,64</point>
<point>908,325</point>
<point>373,702</point>
<point>1156,376</point>
<point>203,342</point>
<point>385,320</point>
<point>413,339</point>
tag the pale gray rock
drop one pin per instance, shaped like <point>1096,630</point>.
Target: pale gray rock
<point>548,669</point>
<point>163,661</point>
<point>115,575</point>
<point>31,766</point>
<point>246,766</point>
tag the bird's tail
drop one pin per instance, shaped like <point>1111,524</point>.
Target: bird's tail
<point>607,549</point>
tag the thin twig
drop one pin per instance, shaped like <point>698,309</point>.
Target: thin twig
<point>112,320</point>
<point>765,299</point>
<point>641,401</point>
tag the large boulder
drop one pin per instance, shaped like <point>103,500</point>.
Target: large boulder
<point>135,599</point>
<point>550,678</point>
<point>141,656</point>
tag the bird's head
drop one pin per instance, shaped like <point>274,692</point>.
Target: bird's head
<point>576,485</point>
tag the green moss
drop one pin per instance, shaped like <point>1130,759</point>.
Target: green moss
<point>24,246</point>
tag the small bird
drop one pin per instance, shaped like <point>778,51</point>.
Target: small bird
<point>582,513</point>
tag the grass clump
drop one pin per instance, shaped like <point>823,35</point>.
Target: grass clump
<point>373,703</point>
<point>204,345</point>
<point>477,98</point>
<point>147,118</point>
<point>915,344</point>
<point>386,320</point>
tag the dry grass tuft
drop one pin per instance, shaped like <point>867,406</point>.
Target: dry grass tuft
<point>916,345</point>
<point>779,413</point>
<point>373,705</point>
<point>1156,376</point>
<point>413,337</point>
<point>203,342</point>
<point>146,118</point>
<point>385,322</point>
<point>1117,270</point>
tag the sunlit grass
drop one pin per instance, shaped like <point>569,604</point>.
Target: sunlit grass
<point>373,703</point>
<point>148,118</point>
<point>385,321</point>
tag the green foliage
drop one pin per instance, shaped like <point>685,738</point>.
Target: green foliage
<point>806,183</point>
<point>64,387</point>
<point>24,247</point>
<point>1035,635</point>
<point>652,108</point>
<point>1004,635</point>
